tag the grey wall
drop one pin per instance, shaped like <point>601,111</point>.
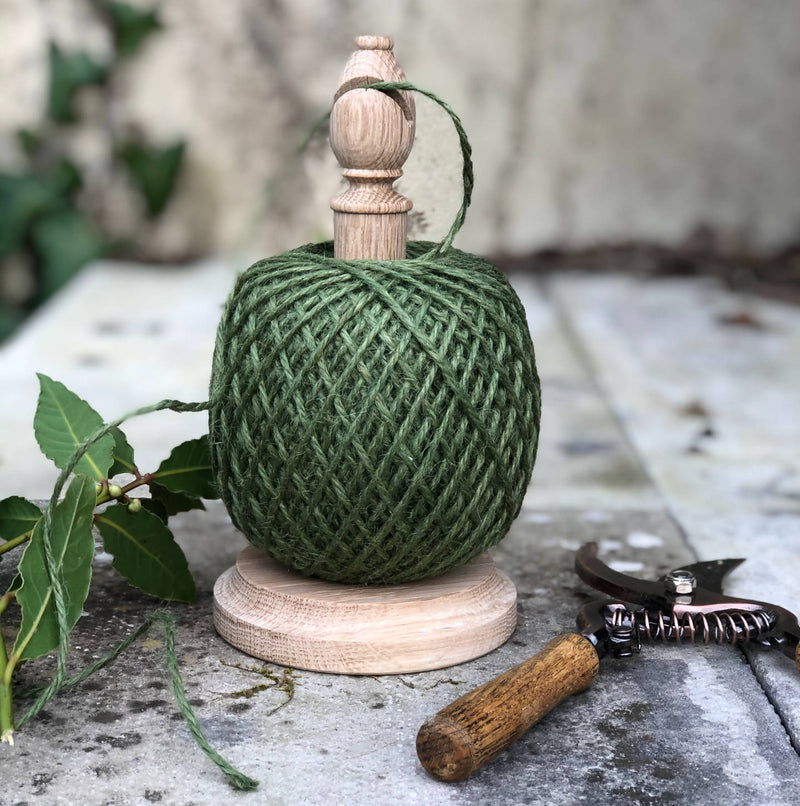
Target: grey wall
<point>591,120</point>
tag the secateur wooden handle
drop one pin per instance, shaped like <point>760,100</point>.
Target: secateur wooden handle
<point>474,729</point>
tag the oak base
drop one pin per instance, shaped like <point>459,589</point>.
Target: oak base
<point>283,617</point>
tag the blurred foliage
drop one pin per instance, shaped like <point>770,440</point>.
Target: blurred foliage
<point>154,170</point>
<point>47,234</point>
<point>131,26</point>
<point>69,72</point>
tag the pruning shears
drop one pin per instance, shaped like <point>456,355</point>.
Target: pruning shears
<point>686,605</point>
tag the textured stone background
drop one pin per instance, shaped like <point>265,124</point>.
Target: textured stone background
<point>591,121</point>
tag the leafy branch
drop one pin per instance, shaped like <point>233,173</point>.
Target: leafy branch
<point>54,572</point>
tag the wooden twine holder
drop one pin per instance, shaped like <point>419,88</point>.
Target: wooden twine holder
<point>281,616</point>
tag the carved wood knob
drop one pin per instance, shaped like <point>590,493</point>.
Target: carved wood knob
<point>372,133</point>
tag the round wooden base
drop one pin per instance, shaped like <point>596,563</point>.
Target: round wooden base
<point>286,618</point>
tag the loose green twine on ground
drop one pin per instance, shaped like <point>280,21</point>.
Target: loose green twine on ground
<point>375,421</point>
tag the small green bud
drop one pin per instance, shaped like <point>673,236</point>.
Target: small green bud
<point>135,505</point>
<point>114,490</point>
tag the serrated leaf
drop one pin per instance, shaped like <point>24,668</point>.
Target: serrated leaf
<point>68,73</point>
<point>145,553</point>
<point>188,470</point>
<point>131,26</point>
<point>17,516</point>
<point>174,503</point>
<point>154,171</point>
<point>72,544</point>
<point>62,422</point>
<point>122,454</point>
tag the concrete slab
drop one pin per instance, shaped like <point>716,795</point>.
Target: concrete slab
<point>673,725</point>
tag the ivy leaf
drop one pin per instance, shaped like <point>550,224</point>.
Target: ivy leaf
<point>131,26</point>
<point>64,242</point>
<point>22,199</point>
<point>29,141</point>
<point>17,516</point>
<point>188,470</point>
<point>154,171</point>
<point>122,454</point>
<point>62,422</point>
<point>73,549</point>
<point>10,319</point>
<point>25,198</point>
<point>145,553</point>
<point>172,502</point>
<point>68,73</point>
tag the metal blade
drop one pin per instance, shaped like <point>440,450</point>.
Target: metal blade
<point>711,574</point>
<point>597,574</point>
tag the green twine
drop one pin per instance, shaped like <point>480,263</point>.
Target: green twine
<point>55,575</point>
<point>375,421</point>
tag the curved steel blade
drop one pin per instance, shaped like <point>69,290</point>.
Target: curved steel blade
<point>594,572</point>
<point>711,574</point>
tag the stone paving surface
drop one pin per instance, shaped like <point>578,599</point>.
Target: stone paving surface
<point>621,463</point>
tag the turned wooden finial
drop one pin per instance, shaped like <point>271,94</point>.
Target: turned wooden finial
<point>371,135</point>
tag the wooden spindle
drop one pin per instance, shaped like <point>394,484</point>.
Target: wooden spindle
<point>371,135</point>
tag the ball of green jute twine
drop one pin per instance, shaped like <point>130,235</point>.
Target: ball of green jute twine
<point>374,421</point>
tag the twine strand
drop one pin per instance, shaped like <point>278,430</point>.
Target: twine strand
<point>467,173</point>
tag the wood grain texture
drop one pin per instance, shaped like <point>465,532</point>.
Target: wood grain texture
<point>471,731</point>
<point>281,616</point>
<point>371,135</point>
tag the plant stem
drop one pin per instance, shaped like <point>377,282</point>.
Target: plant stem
<point>104,497</point>
<point>15,541</point>
<point>7,597</point>
<point>6,707</point>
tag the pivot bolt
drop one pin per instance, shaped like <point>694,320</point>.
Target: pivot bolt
<point>680,582</point>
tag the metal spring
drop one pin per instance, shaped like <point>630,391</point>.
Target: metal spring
<point>725,627</point>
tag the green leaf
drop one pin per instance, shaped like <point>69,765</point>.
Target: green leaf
<point>122,454</point>
<point>156,507</point>
<point>69,72</point>
<point>22,199</point>
<point>172,502</point>
<point>10,319</point>
<point>17,516</point>
<point>25,198</point>
<point>154,171</point>
<point>73,549</point>
<point>63,179</point>
<point>64,242</point>
<point>62,422</point>
<point>145,553</point>
<point>188,470</point>
<point>29,141</point>
<point>131,26</point>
